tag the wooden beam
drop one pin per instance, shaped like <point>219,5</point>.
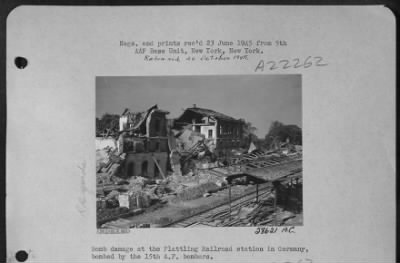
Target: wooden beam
<point>158,166</point>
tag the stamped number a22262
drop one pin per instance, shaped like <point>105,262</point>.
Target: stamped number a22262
<point>295,63</point>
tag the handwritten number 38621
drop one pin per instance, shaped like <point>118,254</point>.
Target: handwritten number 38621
<point>294,63</point>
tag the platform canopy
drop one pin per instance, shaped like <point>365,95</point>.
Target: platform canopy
<point>255,179</point>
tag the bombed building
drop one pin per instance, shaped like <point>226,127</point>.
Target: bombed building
<point>157,165</point>
<point>143,137</point>
<point>220,130</point>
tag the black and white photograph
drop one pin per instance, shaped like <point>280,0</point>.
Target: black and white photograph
<point>209,133</point>
<point>199,151</point>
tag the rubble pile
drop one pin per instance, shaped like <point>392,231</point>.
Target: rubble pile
<point>195,174</point>
<point>141,191</point>
<point>193,186</point>
<point>186,139</point>
<point>196,191</point>
<point>193,149</point>
<point>131,197</point>
<point>153,161</point>
<point>108,161</point>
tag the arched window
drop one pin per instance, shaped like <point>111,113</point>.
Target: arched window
<point>131,169</point>
<point>145,164</point>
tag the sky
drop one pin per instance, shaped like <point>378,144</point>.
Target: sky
<point>259,99</point>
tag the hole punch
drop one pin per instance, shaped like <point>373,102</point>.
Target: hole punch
<point>21,256</point>
<point>21,62</point>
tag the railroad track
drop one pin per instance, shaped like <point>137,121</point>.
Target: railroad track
<point>221,210</point>
<point>254,161</point>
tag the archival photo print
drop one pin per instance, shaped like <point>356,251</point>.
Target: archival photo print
<point>199,151</point>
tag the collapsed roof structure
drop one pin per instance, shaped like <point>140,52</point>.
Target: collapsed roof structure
<point>138,121</point>
<point>221,130</point>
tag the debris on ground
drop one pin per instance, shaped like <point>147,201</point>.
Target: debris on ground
<point>195,172</point>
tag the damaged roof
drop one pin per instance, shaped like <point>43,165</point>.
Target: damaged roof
<point>211,113</point>
<point>136,119</point>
